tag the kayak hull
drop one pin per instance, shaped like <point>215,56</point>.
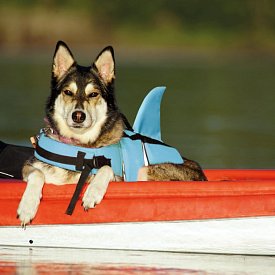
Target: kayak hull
<point>232,213</point>
<point>245,236</point>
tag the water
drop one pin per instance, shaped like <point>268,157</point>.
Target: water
<point>218,111</point>
<point>23,260</point>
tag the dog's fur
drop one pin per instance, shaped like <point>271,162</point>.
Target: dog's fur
<point>82,110</point>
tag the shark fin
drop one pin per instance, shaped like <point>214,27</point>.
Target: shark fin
<point>147,121</point>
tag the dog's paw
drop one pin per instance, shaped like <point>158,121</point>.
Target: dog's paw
<point>97,187</point>
<point>93,196</point>
<point>27,209</point>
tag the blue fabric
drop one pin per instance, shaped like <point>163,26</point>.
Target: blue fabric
<point>158,153</point>
<point>132,154</point>
<point>127,156</point>
<point>147,121</point>
<point>112,152</point>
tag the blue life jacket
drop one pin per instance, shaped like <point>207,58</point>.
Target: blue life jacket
<point>136,148</point>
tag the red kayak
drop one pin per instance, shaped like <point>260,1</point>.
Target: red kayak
<point>232,213</point>
<point>227,194</point>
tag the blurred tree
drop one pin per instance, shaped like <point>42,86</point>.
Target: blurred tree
<point>195,21</point>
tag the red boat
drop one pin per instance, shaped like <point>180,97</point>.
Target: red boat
<point>234,212</point>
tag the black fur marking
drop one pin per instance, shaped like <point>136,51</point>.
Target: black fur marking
<point>82,76</point>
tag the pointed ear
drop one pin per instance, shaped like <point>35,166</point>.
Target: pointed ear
<point>62,60</point>
<point>105,64</point>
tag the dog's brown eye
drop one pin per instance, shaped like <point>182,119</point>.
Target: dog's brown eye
<point>68,93</point>
<point>93,94</point>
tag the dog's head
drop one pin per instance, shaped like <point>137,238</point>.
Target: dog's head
<point>82,100</point>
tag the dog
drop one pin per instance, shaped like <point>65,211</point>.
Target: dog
<point>82,111</point>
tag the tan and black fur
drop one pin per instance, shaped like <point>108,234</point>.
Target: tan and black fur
<point>82,110</point>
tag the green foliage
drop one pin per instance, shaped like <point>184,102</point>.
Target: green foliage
<point>224,14</point>
<point>177,21</point>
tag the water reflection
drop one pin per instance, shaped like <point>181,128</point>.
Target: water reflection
<point>53,268</point>
<point>19,260</point>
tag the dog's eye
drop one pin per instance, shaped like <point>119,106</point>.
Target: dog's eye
<point>68,93</point>
<point>93,94</point>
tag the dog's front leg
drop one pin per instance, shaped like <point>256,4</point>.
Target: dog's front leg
<point>31,198</point>
<point>98,187</point>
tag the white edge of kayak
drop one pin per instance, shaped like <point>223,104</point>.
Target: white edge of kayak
<point>243,236</point>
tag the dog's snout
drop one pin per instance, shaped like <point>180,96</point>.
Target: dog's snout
<point>78,116</point>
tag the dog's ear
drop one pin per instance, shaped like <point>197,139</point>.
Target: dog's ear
<point>105,64</point>
<point>62,60</point>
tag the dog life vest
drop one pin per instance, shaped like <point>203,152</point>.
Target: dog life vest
<point>125,157</point>
<point>136,149</point>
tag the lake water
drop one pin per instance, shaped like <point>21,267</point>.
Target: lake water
<point>23,260</point>
<point>218,111</point>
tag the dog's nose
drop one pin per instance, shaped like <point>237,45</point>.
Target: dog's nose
<point>78,116</point>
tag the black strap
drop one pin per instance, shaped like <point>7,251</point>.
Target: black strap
<point>55,157</point>
<point>126,122</point>
<point>89,164</point>
<point>79,161</point>
<point>81,164</point>
<point>145,139</point>
<point>83,177</point>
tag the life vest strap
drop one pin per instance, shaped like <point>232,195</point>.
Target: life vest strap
<point>89,164</point>
<point>83,177</point>
<point>81,164</point>
<point>79,161</point>
<point>145,139</point>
